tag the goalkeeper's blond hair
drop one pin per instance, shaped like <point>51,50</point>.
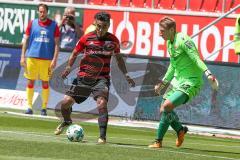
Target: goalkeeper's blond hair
<point>168,22</point>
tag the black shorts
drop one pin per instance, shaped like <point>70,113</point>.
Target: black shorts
<point>82,87</point>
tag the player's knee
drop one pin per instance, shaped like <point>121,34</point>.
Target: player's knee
<point>30,84</point>
<point>67,102</point>
<point>167,106</point>
<point>45,85</point>
<point>101,104</point>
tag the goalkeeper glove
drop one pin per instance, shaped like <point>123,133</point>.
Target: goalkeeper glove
<point>212,80</point>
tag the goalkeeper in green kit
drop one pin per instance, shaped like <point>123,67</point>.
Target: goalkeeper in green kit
<point>185,75</point>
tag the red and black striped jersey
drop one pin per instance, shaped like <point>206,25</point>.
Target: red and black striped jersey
<point>97,54</point>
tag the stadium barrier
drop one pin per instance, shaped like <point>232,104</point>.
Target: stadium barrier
<point>16,99</point>
<point>140,103</point>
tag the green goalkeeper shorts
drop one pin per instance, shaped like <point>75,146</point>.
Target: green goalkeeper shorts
<point>191,87</point>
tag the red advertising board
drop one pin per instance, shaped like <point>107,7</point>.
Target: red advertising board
<point>142,30</point>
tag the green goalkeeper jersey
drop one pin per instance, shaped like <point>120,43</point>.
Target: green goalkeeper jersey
<point>185,63</point>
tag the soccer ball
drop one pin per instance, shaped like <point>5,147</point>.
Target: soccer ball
<point>75,133</point>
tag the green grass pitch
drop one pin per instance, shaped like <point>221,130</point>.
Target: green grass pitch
<point>24,138</point>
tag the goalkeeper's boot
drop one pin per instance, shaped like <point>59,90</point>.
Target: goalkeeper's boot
<point>156,144</point>
<point>101,140</point>
<point>181,135</point>
<point>29,111</point>
<point>62,126</point>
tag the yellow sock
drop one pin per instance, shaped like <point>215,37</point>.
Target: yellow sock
<point>45,95</point>
<point>30,93</point>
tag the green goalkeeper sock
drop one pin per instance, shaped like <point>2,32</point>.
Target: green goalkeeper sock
<point>175,124</point>
<point>163,126</point>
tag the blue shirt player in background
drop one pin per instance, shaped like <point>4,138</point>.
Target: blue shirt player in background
<point>39,55</point>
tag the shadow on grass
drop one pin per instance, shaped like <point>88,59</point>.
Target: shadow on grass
<point>127,144</point>
<point>136,145</point>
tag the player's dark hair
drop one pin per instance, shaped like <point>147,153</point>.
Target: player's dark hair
<point>168,23</point>
<point>103,16</point>
<point>42,5</point>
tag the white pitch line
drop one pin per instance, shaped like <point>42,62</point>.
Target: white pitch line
<point>145,140</point>
<point>29,115</point>
<point>124,146</point>
<point>133,139</point>
<point>39,117</point>
<point>122,127</point>
<point>177,152</point>
<point>193,130</point>
<point>199,144</point>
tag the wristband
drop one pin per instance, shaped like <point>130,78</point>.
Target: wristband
<point>207,73</point>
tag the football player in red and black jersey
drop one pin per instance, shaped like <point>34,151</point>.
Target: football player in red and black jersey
<point>93,76</point>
